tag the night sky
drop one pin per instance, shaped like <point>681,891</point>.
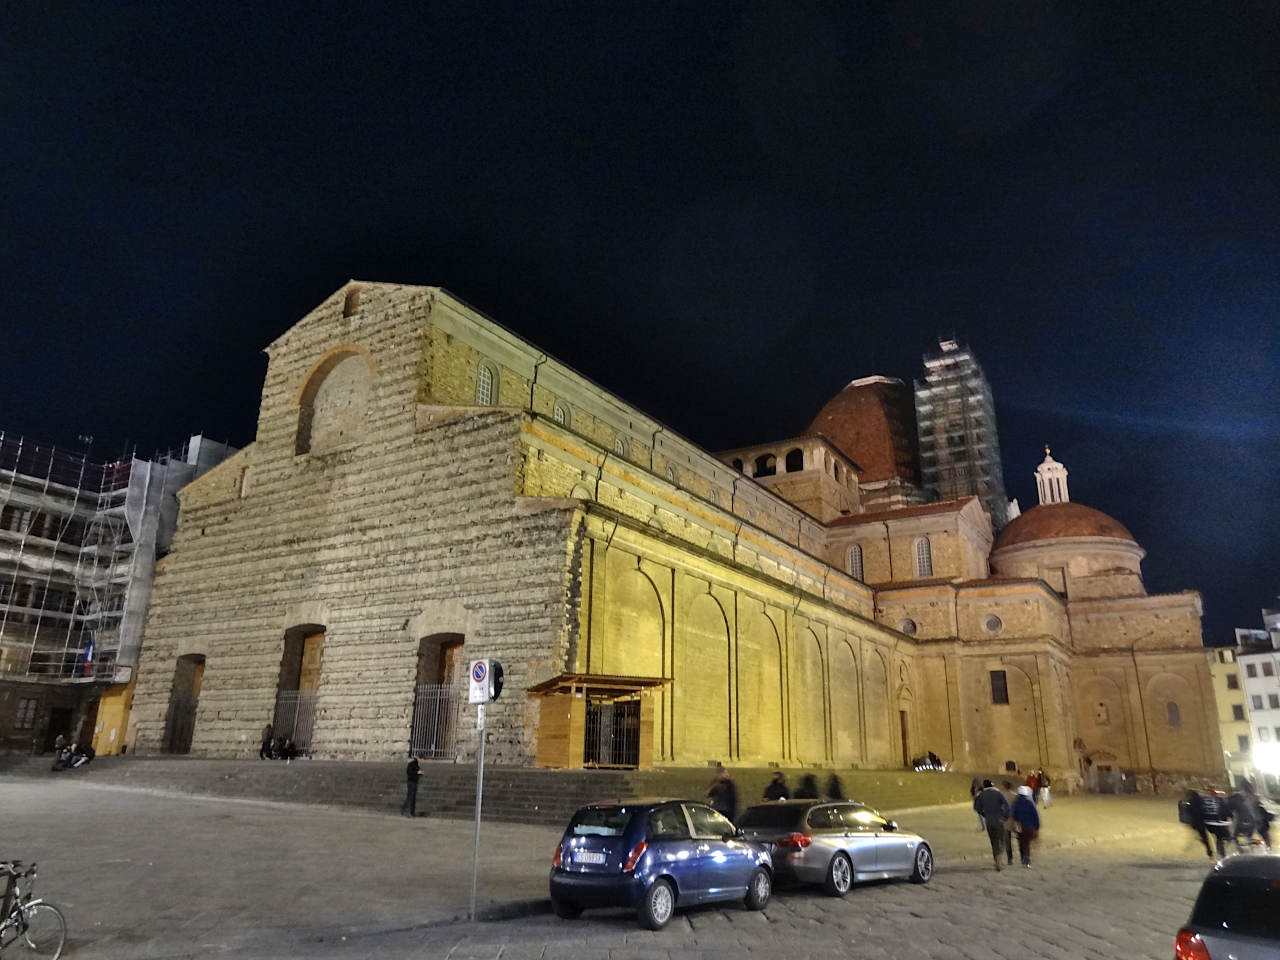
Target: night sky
<point>721,211</point>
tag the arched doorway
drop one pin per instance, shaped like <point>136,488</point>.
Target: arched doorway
<point>300,665</point>
<point>437,692</point>
<point>180,722</point>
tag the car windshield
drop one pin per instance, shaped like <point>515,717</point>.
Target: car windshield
<point>1244,906</point>
<point>769,816</point>
<point>600,821</point>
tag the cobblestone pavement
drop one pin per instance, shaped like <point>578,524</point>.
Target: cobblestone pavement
<point>150,876</point>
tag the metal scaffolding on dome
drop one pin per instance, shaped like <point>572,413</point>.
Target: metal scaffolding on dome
<point>78,545</point>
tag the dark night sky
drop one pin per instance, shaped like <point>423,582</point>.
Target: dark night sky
<point>723,212</point>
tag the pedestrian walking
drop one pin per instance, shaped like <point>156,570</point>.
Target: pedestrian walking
<point>1241,812</point>
<point>1192,813</point>
<point>1217,819</point>
<point>835,787</point>
<point>1011,795</point>
<point>412,773</point>
<point>1044,788</point>
<point>723,794</point>
<point>808,789</point>
<point>1033,782</point>
<point>993,807</point>
<point>1026,822</point>
<point>1262,818</point>
<point>777,788</point>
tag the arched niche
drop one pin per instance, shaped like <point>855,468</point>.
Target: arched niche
<point>846,734</point>
<point>632,644</point>
<point>334,400</point>
<point>759,688</point>
<point>702,683</point>
<point>1174,746</point>
<point>875,685</point>
<point>1102,720</point>
<point>808,698</point>
<point>1010,730</point>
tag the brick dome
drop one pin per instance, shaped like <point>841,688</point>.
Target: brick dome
<point>873,422</point>
<point>1054,521</point>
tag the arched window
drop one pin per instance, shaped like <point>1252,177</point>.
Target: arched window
<point>795,460</point>
<point>855,562</point>
<point>560,414</point>
<point>351,303</point>
<point>486,384</point>
<point>619,446</point>
<point>737,465</point>
<point>1175,715</point>
<point>671,474</point>
<point>766,465</point>
<point>924,558</point>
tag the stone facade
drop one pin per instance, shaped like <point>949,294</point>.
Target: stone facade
<point>422,477</point>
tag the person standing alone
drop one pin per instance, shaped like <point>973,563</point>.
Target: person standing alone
<point>1027,822</point>
<point>412,772</point>
<point>993,807</point>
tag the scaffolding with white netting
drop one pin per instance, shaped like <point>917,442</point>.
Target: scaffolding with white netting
<point>78,545</point>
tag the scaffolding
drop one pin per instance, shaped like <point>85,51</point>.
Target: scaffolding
<point>956,421</point>
<point>78,545</point>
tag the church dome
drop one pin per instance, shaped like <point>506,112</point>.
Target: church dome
<point>873,422</point>
<point>1055,521</point>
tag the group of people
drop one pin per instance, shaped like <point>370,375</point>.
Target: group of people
<point>1005,814</point>
<point>1236,818</point>
<point>71,756</point>
<point>276,748</point>
<point>722,795</point>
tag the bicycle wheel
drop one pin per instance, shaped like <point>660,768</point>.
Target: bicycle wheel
<point>41,933</point>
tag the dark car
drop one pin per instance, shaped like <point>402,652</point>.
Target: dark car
<point>654,856</point>
<point>1237,913</point>
<point>835,844</point>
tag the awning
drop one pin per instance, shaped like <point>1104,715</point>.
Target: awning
<point>595,684</point>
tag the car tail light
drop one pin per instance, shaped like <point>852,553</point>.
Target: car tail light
<point>634,856</point>
<point>1189,946</point>
<point>555,860</point>
<point>795,841</point>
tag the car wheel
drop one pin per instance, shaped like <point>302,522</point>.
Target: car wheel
<point>839,875</point>
<point>759,889</point>
<point>923,864</point>
<point>657,905</point>
<point>565,910</point>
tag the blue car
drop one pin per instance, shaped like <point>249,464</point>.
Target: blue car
<point>654,856</point>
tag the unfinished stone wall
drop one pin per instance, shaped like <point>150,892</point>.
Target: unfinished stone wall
<point>389,532</point>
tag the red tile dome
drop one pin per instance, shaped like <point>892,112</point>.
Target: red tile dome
<point>1054,521</point>
<point>873,422</point>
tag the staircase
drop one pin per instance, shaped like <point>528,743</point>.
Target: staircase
<point>511,794</point>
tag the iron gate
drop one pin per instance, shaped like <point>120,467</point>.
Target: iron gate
<point>295,716</point>
<point>612,734</point>
<point>435,719</point>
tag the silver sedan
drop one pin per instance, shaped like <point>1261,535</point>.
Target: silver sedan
<point>836,843</point>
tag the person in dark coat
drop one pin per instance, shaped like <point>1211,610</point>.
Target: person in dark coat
<point>777,788</point>
<point>808,789</point>
<point>993,807</point>
<point>412,773</point>
<point>723,795</point>
<point>1026,821</point>
<point>835,788</point>
<point>1217,819</point>
<point>1195,819</point>
<point>264,751</point>
<point>975,788</point>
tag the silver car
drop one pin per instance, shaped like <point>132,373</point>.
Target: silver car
<point>1237,913</point>
<point>836,843</point>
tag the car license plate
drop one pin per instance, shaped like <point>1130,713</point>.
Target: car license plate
<point>586,856</point>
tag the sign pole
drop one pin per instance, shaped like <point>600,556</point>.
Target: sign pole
<point>475,852</point>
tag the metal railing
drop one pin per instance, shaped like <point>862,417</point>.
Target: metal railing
<point>295,716</point>
<point>612,734</point>
<point>435,721</point>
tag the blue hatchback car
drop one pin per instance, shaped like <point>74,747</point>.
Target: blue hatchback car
<point>654,856</point>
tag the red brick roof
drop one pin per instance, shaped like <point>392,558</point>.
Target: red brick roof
<point>873,422</point>
<point>1052,521</point>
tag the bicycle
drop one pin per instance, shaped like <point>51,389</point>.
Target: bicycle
<point>30,927</point>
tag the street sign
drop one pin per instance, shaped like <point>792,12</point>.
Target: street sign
<point>479,692</point>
